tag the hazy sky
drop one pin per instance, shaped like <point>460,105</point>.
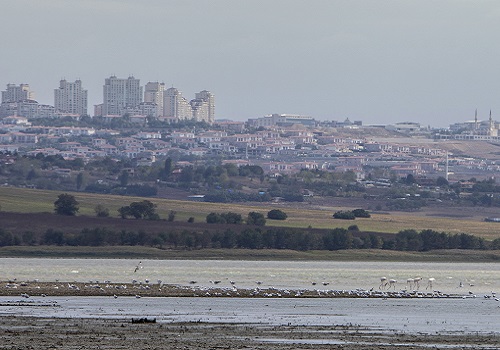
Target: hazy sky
<point>433,62</point>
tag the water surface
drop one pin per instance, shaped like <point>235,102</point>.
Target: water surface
<point>448,277</point>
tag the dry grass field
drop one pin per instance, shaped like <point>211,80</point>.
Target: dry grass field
<point>299,215</point>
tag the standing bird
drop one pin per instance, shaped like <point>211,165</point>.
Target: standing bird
<point>392,283</point>
<point>409,283</point>
<point>429,283</point>
<point>416,282</point>
<point>383,282</point>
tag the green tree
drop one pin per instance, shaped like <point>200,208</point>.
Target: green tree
<point>214,218</point>
<point>338,238</point>
<point>276,214</point>
<point>255,218</point>
<point>79,181</point>
<point>140,210</point>
<point>345,215</point>
<point>124,178</point>
<point>66,204</point>
<point>361,213</point>
<point>187,174</point>
<point>101,211</point>
<point>441,181</point>
<point>410,179</point>
<point>232,218</point>
<point>167,169</point>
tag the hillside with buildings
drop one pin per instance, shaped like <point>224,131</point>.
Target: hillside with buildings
<point>144,140</point>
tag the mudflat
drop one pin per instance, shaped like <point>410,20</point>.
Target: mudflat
<point>95,333</point>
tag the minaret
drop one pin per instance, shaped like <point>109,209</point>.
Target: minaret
<point>491,125</point>
<point>447,171</point>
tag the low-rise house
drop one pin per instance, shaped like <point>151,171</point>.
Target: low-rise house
<point>109,149</point>
<point>99,142</point>
<point>19,137</point>
<point>198,151</point>
<point>5,138</point>
<point>15,120</point>
<point>148,135</point>
<point>133,151</point>
<point>44,151</point>
<point>125,142</point>
<point>9,148</point>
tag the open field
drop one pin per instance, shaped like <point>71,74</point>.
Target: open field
<point>301,215</point>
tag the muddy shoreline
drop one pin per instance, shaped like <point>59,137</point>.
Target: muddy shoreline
<point>20,330</point>
<point>62,333</point>
<point>45,289</point>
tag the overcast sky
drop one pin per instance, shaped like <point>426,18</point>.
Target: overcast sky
<point>433,62</point>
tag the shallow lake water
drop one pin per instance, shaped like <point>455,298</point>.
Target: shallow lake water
<point>429,316</point>
<point>453,278</point>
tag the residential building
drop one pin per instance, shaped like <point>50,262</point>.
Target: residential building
<point>200,110</point>
<point>404,127</point>
<point>70,98</point>
<point>153,93</point>
<point>282,120</point>
<point>26,108</point>
<point>16,93</point>
<point>209,98</point>
<point>120,94</point>
<point>175,105</point>
<point>144,108</point>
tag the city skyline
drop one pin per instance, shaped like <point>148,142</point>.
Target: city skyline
<point>121,96</point>
<point>377,61</point>
<point>150,98</point>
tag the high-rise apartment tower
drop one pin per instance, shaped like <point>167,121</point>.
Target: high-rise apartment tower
<point>153,93</point>
<point>15,93</point>
<point>209,98</point>
<point>120,94</point>
<point>70,98</point>
<point>175,105</point>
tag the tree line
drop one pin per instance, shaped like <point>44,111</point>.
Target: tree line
<point>255,238</point>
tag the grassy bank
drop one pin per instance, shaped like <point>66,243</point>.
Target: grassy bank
<point>136,252</point>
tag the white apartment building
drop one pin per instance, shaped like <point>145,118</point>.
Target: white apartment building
<point>175,105</point>
<point>143,108</point>
<point>70,98</point>
<point>120,94</point>
<point>154,93</point>
<point>199,110</point>
<point>209,98</point>
<point>27,108</point>
<point>202,108</point>
<point>281,120</point>
<point>15,93</point>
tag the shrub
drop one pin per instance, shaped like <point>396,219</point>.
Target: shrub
<point>276,214</point>
<point>214,218</point>
<point>101,211</point>
<point>344,215</point>
<point>139,210</point>
<point>255,218</point>
<point>361,213</point>
<point>232,218</point>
